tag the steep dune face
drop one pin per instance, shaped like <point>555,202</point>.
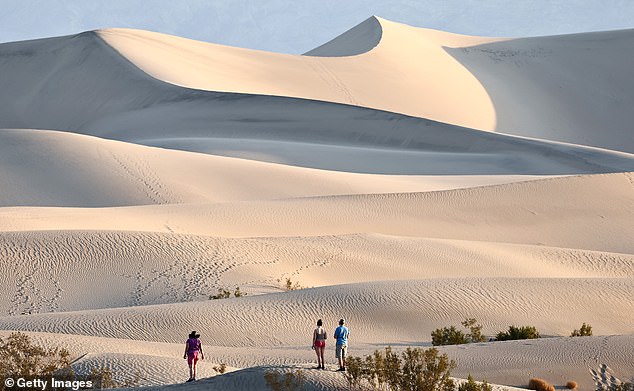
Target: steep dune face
<point>574,88</point>
<point>378,64</point>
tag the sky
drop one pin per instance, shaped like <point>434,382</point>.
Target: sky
<point>296,26</point>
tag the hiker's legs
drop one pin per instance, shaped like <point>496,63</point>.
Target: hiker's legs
<point>317,348</point>
<point>190,371</point>
<point>320,353</point>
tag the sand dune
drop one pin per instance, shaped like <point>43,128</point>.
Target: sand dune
<point>141,172</point>
<point>571,88</point>
<point>375,311</point>
<point>153,268</point>
<point>586,212</point>
<point>60,169</point>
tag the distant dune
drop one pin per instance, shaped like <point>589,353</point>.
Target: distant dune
<point>403,178</point>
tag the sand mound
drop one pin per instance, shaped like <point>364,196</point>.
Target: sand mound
<point>591,212</point>
<point>154,268</point>
<point>60,169</point>
<point>555,306</point>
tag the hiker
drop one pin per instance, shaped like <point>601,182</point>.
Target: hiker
<point>341,335</point>
<point>319,343</point>
<point>193,348</point>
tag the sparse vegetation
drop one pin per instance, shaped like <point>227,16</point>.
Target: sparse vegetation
<point>285,381</point>
<point>415,369</point>
<point>225,294</point>
<point>21,358</point>
<point>514,333</point>
<point>584,331</point>
<point>452,336</point>
<point>472,385</point>
<point>222,368</point>
<point>540,385</point>
<point>571,385</point>
<point>289,285</point>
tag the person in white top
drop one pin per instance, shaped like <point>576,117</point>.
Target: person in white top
<point>319,343</point>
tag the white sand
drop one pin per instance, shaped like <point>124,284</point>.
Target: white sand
<point>141,172</point>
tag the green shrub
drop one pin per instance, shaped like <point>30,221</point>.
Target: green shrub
<point>524,332</point>
<point>287,381</point>
<point>475,330</point>
<point>414,370</point>
<point>452,336</point>
<point>20,358</point>
<point>472,385</point>
<point>584,331</point>
<point>540,385</point>
<point>448,336</point>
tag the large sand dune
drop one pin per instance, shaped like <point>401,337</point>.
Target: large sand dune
<point>140,173</point>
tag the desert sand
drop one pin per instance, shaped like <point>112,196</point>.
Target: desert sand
<point>404,178</point>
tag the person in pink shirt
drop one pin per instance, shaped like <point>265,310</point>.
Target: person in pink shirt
<point>193,351</point>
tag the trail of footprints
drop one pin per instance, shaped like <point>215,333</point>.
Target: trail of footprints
<point>153,268</point>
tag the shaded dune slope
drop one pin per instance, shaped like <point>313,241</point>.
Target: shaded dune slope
<point>105,95</point>
<point>47,168</point>
<point>574,88</point>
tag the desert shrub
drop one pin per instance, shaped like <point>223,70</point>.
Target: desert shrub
<point>289,285</point>
<point>225,294</point>
<point>475,330</point>
<point>472,385</point>
<point>287,381</point>
<point>20,358</point>
<point>452,336</point>
<point>415,369</point>
<point>448,336</point>
<point>222,368</point>
<point>524,332</point>
<point>584,331</point>
<point>571,385</point>
<point>355,371</point>
<point>540,385</point>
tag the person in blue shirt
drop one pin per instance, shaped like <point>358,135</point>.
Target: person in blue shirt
<point>341,335</point>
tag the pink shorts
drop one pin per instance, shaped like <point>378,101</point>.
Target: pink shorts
<point>192,358</point>
<point>320,344</point>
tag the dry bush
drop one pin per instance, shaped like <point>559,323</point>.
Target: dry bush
<point>222,368</point>
<point>540,385</point>
<point>225,294</point>
<point>584,331</point>
<point>617,387</point>
<point>287,381</point>
<point>571,385</point>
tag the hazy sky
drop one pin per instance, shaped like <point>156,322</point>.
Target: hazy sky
<point>296,26</point>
